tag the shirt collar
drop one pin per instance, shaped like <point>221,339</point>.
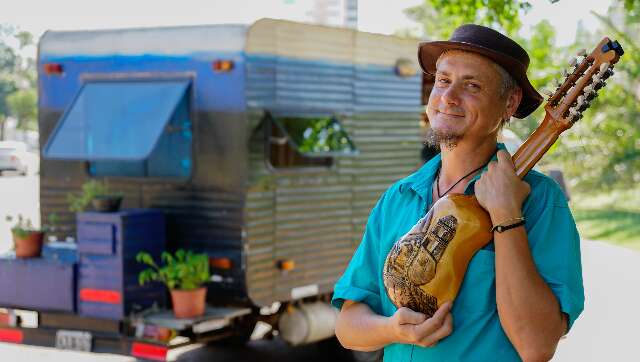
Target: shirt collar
<point>422,180</point>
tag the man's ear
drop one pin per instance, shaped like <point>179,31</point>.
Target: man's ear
<point>513,101</point>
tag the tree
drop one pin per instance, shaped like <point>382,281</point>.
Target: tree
<point>16,75</point>
<point>22,106</point>
<point>440,17</point>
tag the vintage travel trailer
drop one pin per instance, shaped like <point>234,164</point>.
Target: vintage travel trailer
<point>265,146</point>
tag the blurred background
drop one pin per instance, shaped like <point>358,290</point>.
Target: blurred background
<point>598,159</point>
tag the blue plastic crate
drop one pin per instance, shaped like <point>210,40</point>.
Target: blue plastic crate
<point>108,272</point>
<point>122,233</point>
<point>60,250</point>
<point>37,284</point>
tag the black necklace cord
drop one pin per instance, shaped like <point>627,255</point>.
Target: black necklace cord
<point>457,182</point>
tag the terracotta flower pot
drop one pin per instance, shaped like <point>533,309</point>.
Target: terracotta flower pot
<point>188,303</point>
<point>29,246</point>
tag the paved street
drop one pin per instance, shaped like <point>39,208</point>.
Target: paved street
<point>607,330</point>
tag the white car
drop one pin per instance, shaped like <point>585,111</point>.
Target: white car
<point>15,156</point>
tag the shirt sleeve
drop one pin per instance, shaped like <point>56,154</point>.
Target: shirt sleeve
<point>555,248</point>
<point>359,282</point>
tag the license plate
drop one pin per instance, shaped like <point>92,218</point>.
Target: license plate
<point>74,340</point>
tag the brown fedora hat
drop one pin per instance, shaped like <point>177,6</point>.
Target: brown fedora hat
<point>493,45</point>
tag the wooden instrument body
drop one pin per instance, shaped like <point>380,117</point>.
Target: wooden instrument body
<point>426,267</point>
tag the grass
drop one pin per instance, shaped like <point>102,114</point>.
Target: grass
<point>612,216</point>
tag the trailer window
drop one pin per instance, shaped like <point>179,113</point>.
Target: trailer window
<point>307,142</point>
<point>136,128</point>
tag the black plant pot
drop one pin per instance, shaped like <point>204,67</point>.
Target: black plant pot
<point>106,203</point>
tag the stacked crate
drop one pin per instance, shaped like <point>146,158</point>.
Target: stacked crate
<point>108,274</point>
<point>37,283</point>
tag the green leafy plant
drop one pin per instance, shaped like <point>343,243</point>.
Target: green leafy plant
<point>90,190</point>
<point>183,270</point>
<point>24,227</point>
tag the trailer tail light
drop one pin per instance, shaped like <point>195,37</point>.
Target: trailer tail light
<point>286,265</point>
<point>223,66</point>
<point>100,296</point>
<point>148,351</point>
<point>52,68</point>
<point>221,263</point>
<point>11,335</point>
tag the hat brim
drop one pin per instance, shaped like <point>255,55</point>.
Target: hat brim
<point>429,52</point>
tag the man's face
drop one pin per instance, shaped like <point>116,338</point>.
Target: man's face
<point>465,102</point>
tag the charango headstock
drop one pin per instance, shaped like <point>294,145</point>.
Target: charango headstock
<point>588,74</point>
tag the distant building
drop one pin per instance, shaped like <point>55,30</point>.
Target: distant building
<point>342,13</point>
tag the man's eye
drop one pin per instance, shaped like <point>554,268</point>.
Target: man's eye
<point>443,80</point>
<point>474,85</point>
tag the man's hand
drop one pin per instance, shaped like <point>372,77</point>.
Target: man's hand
<point>410,327</point>
<point>500,191</point>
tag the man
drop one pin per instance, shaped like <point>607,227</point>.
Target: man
<point>522,291</point>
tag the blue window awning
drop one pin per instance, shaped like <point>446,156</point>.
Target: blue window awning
<point>115,120</point>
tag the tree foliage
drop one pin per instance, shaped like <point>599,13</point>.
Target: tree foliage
<point>17,80</point>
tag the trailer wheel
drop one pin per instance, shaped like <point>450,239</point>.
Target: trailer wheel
<point>374,356</point>
<point>242,330</point>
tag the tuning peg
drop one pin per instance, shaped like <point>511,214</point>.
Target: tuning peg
<point>604,66</point>
<point>565,73</point>
<point>580,99</point>
<point>573,111</point>
<point>547,92</point>
<point>607,73</point>
<point>592,95</point>
<point>583,106</point>
<point>588,89</point>
<point>582,53</point>
<point>599,85</point>
<point>576,118</point>
<point>573,62</point>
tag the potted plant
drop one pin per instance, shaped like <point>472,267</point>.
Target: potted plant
<point>97,194</point>
<point>184,273</point>
<point>27,239</point>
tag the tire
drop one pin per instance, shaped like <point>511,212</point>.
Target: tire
<point>242,331</point>
<point>375,356</point>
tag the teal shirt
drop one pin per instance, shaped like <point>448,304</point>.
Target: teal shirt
<point>477,333</point>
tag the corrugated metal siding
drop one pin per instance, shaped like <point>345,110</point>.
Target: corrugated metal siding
<point>318,217</point>
<point>284,84</point>
<point>301,41</point>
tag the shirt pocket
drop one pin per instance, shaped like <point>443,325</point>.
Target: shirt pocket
<point>477,293</point>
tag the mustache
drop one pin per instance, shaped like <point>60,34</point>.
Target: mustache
<point>452,111</point>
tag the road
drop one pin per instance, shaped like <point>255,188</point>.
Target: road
<point>606,331</point>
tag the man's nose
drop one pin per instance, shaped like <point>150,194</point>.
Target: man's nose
<point>450,94</point>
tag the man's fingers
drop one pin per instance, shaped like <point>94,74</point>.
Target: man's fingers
<point>408,316</point>
<point>504,158</point>
<point>434,323</point>
<point>443,331</point>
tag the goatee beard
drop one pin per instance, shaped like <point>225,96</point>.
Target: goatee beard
<point>437,139</point>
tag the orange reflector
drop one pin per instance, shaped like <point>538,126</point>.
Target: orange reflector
<point>100,296</point>
<point>52,68</point>
<point>149,351</point>
<point>286,264</point>
<point>223,66</point>
<point>221,263</point>
<point>11,335</point>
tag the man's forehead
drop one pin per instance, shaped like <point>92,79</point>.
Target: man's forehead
<point>466,65</point>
